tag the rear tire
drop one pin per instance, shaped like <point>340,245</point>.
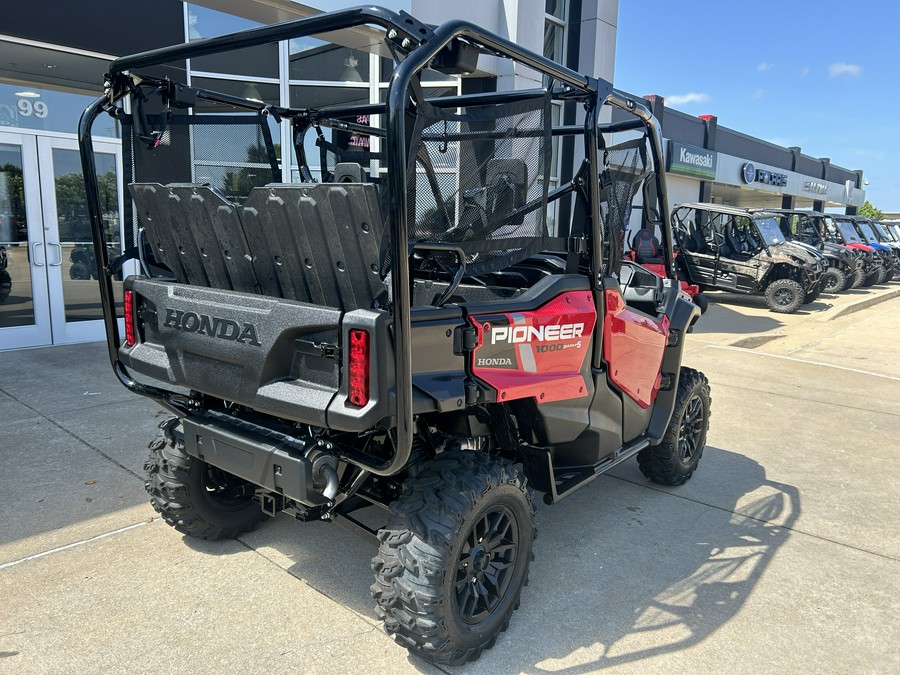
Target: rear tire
<point>675,459</point>
<point>193,497</point>
<point>784,296</point>
<point>834,280</point>
<point>454,557</point>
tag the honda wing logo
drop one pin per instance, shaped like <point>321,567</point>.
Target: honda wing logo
<point>203,324</point>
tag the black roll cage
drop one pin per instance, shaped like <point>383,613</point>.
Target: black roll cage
<point>422,46</point>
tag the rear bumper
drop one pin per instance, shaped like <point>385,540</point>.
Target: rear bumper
<point>276,356</point>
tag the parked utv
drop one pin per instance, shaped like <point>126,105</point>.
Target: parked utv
<point>729,248</point>
<point>878,239</point>
<point>840,230</point>
<point>408,333</point>
<point>881,261</point>
<point>800,227</point>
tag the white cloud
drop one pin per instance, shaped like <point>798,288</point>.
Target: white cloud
<point>841,68</point>
<point>687,99</point>
<point>757,94</point>
<point>763,67</point>
<point>804,72</point>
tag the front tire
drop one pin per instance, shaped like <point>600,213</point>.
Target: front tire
<point>194,497</point>
<point>455,555</point>
<point>871,279</point>
<point>674,460</point>
<point>784,296</point>
<point>834,280</point>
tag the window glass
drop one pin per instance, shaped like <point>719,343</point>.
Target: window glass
<point>261,61</point>
<point>32,107</point>
<point>553,41</point>
<point>556,8</point>
<point>207,23</point>
<point>329,62</point>
<point>319,97</point>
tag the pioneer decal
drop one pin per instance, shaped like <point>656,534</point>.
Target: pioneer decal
<point>550,333</point>
<point>538,353</point>
<point>204,324</point>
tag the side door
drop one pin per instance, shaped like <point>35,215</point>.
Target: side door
<point>746,265</point>
<point>726,260</point>
<point>697,250</point>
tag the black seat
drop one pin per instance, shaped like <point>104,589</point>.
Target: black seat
<point>645,247</point>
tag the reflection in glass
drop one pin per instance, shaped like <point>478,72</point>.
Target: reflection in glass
<point>329,62</point>
<point>81,293</point>
<point>16,294</point>
<point>34,107</point>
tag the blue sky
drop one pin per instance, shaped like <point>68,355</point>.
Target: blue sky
<point>823,75</point>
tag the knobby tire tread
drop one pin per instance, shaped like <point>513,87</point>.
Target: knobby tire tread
<point>416,552</point>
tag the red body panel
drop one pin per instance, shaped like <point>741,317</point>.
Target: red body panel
<point>633,346</point>
<point>539,353</point>
<point>660,271</point>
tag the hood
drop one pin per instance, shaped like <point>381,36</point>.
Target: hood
<point>804,252</point>
<point>834,249</point>
<point>861,247</point>
<point>812,250</point>
<point>880,247</point>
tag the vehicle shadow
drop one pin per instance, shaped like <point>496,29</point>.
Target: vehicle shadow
<point>824,301</point>
<point>719,318</point>
<point>624,570</point>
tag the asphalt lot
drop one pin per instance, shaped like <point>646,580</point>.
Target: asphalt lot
<point>782,554</point>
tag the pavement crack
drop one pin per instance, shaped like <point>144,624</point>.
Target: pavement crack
<point>74,435</point>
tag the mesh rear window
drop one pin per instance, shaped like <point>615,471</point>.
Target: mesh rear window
<point>627,169</point>
<point>479,180</point>
<point>233,153</point>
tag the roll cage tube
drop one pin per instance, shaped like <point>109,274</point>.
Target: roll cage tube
<point>425,45</point>
<point>654,136</point>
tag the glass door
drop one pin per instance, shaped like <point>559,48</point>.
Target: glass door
<point>49,292</point>
<point>24,293</point>
<point>75,310</point>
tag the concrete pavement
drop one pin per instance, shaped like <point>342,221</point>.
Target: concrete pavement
<point>782,554</point>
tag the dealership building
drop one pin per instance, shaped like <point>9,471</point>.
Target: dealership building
<point>53,55</point>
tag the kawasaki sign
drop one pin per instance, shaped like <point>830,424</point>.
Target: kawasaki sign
<point>692,161</point>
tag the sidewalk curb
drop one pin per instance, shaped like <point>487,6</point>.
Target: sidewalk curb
<point>863,304</point>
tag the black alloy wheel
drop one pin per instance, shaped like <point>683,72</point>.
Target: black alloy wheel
<point>693,424</point>
<point>485,565</point>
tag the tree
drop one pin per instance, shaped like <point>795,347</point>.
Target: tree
<point>869,211</point>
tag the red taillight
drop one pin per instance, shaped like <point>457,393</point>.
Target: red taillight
<point>359,368</point>
<point>129,319</point>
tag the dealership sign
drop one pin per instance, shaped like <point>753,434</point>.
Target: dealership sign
<point>692,161</point>
<point>750,174</point>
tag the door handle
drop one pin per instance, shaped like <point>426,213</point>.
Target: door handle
<point>59,250</point>
<point>34,258</point>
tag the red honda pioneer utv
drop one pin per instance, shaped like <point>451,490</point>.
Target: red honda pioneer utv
<point>408,332</point>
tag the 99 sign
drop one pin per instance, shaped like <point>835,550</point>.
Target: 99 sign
<point>26,108</point>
